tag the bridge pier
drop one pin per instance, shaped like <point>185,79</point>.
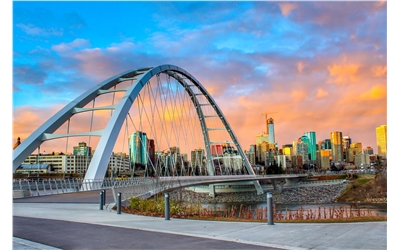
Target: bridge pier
<point>278,185</point>
<point>292,181</point>
<point>212,190</point>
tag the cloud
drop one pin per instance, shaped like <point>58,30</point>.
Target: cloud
<point>298,95</point>
<point>76,44</point>
<point>287,8</point>
<point>379,71</point>
<point>321,93</point>
<point>37,31</point>
<point>343,74</point>
<point>29,74</point>
<point>377,92</point>
<point>300,67</point>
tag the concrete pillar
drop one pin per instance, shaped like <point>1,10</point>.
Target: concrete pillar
<point>270,209</point>
<point>166,195</point>
<point>212,190</point>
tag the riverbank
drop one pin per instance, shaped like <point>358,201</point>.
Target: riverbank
<point>300,195</point>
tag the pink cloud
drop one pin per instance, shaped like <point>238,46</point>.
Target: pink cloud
<point>343,74</point>
<point>287,8</point>
<point>321,93</point>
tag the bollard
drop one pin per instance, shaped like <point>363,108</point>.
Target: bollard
<point>104,196</point>
<point>119,203</point>
<point>101,200</point>
<point>270,209</point>
<point>166,206</point>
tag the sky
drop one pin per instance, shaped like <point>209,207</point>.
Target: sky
<point>319,66</point>
<point>315,65</point>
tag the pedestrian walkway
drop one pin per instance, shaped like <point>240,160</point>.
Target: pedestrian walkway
<point>371,235</point>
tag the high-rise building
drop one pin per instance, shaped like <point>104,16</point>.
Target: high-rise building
<point>381,140</point>
<point>138,148</point>
<point>196,158</point>
<point>287,149</point>
<point>312,145</point>
<point>82,149</point>
<point>262,137</point>
<point>294,148</point>
<point>151,150</point>
<point>368,150</point>
<point>337,146</point>
<point>326,144</point>
<point>324,162</point>
<point>346,140</point>
<point>354,149</point>
<point>271,131</point>
<point>217,150</point>
<point>302,148</point>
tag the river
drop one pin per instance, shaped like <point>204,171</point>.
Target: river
<point>374,208</point>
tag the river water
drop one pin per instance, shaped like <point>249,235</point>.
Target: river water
<point>374,208</point>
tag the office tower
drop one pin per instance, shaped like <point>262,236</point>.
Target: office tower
<point>294,148</point>
<point>138,148</point>
<point>287,149</point>
<point>216,150</point>
<point>82,149</point>
<point>368,151</point>
<point>175,150</point>
<point>196,158</point>
<point>312,145</point>
<point>381,140</point>
<point>251,156</point>
<point>326,144</point>
<point>337,146</point>
<point>362,161</point>
<point>324,159</point>
<point>263,137</point>
<point>151,151</point>
<point>302,148</point>
<point>271,131</point>
<point>346,140</point>
<point>354,149</point>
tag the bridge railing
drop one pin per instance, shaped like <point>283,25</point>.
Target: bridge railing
<point>38,187</point>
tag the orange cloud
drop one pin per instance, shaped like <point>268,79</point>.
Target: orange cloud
<point>343,74</point>
<point>286,8</point>
<point>379,71</point>
<point>298,95</point>
<point>321,93</point>
<point>300,67</point>
<point>375,93</point>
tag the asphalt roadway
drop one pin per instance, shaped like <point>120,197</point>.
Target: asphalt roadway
<point>75,221</point>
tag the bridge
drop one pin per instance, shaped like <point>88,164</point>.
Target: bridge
<point>165,103</point>
<point>148,187</point>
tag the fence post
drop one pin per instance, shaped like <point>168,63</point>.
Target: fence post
<point>101,200</point>
<point>270,209</point>
<point>119,203</point>
<point>104,196</point>
<point>166,206</point>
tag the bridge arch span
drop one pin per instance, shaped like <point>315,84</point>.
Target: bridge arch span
<point>99,163</point>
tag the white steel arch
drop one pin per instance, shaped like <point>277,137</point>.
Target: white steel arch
<point>99,163</point>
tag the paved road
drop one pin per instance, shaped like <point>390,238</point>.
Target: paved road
<point>74,221</point>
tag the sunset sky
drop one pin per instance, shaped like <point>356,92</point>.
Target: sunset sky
<point>319,66</point>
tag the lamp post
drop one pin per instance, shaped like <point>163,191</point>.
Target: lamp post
<point>38,160</point>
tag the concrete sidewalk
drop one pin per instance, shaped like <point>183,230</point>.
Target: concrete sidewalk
<point>371,235</point>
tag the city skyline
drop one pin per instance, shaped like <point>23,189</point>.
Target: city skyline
<point>321,66</point>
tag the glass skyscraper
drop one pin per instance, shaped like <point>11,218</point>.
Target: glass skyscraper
<point>381,140</point>
<point>138,148</point>
<point>337,146</point>
<point>312,145</point>
<point>271,131</point>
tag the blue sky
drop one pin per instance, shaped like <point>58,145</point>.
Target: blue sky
<point>322,66</point>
